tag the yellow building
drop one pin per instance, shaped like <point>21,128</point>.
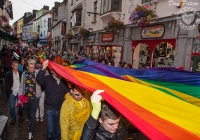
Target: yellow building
<point>20,23</point>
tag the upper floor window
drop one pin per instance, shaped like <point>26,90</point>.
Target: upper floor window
<point>41,24</point>
<point>111,5</point>
<point>95,11</point>
<point>71,2</point>
<point>44,22</point>
<point>145,1</point>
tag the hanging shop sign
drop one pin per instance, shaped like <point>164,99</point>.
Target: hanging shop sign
<point>90,39</point>
<point>107,37</point>
<point>63,30</point>
<point>154,31</point>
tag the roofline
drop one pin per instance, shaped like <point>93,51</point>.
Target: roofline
<point>57,23</point>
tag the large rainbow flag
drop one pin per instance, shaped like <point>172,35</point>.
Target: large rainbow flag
<point>163,103</point>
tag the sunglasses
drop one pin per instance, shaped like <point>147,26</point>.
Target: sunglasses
<point>79,95</point>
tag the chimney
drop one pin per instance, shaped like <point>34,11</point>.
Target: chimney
<point>25,14</point>
<point>34,12</point>
<point>56,4</point>
<point>28,14</point>
<point>45,7</point>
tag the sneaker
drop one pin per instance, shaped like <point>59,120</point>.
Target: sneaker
<point>37,120</point>
<point>12,122</point>
<point>41,119</point>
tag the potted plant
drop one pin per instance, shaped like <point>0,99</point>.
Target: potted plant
<point>4,18</point>
<point>143,15</point>
<point>84,32</point>
<point>114,25</point>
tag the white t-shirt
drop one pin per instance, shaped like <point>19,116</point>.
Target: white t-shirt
<point>16,83</point>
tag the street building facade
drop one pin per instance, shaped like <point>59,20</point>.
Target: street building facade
<point>44,28</point>
<point>58,25</point>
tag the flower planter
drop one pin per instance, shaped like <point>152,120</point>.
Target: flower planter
<point>114,25</point>
<point>84,33</point>
<point>143,16</point>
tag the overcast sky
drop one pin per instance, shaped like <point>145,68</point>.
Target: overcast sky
<point>22,6</point>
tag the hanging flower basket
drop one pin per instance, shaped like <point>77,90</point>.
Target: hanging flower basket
<point>7,28</point>
<point>143,15</point>
<point>4,18</point>
<point>84,32</point>
<point>114,25</point>
<point>69,36</point>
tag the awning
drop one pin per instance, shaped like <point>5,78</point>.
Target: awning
<point>78,7</point>
<point>6,36</point>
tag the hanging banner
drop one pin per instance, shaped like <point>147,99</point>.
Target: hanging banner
<point>63,29</point>
<point>49,24</point>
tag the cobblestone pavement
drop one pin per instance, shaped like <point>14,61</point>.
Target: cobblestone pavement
<point>19,131</point>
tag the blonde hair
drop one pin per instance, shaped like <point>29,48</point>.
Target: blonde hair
<point>31,61</point>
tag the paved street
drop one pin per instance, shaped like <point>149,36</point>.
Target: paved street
<point>19,131</point>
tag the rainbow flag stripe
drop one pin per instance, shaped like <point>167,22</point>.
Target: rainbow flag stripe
<point>158,111</point>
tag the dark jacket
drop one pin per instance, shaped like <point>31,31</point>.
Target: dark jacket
<point>9,81</point>
<point>93,132</point>
<point>54,93</point>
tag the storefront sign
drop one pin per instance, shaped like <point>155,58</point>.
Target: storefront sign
<point>63,30</point>
<point>155,31</point>
<point>90,39</point>
<point>107,37</point>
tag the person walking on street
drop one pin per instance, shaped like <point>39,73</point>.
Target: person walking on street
<point>108,118</point>
<point>12,84</point>
<point>32,89</point>
<point>55,90</point>
<point>74,113</point>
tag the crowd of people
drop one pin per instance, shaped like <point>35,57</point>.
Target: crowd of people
<point>72,113</point>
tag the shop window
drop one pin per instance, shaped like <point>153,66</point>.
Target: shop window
<point>141,56</point>
<point>111,5</point>
<point>163,55</point>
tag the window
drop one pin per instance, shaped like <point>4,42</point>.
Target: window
<point>78,18</point>
<point>95,11</point>
<point>145,1</point>
<point>116,5</point>
<point>71,2</point>
<point>44,22</point>
<point>41,24</point>
<point>111,5</point>
<point>44,34</point>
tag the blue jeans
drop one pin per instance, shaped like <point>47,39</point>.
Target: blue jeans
<point>52,124</point>
<point>12,100</point>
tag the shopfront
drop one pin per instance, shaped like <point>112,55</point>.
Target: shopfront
<point>73,45</point>
<point>111,51</point>
<point>153,50</point>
